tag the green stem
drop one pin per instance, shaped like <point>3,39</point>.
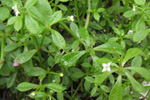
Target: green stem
<point>2,48</point>
<point>76,9</point>
<point>77,88</point>
<point>43,39</point>
<point>23,22</point>
<point>37,48</point>
<point>88,15</point>
<point>125,8</point>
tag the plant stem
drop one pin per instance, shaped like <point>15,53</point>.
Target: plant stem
<point>23,22</point>
<point>37,48</point>
<point>76,9</point>
<point>77,88</point>
<point>88,15</point>
<point>2,48</point>
<point>43,38</point>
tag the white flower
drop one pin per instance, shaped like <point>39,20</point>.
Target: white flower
<point>133,8</point>
<point>53,81</point>
<point>61,74</point>
<point>130,31</point>
<point>72,18</point>
<point>106,67</point>
<point>144,83</point>
<point>33,93</point>
<point>15,9</point>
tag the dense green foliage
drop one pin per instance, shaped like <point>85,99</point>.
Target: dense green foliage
<point>74,49</point>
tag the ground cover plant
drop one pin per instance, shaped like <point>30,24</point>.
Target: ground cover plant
<point>74,49</point>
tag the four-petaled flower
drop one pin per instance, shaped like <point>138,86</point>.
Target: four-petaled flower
<point>133,8</point>
<point>15,9</point>
<point>106,67</point>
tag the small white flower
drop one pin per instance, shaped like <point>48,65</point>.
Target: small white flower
<point>53,81</point>
<point>15,9</point>
<point>144,83</point>
<point>72,18</point>
<point>106,67</point>
<point>61,74</point>
<point>130,31</point>
<point>133,8</point>
<point>33,93</point>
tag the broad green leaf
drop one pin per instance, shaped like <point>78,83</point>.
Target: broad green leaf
<point>38,95</point>
<point>4,13</point>
<point>9,3</point>
<point>30,3</point>
<point>25,86</point>
<point>62,7</point>
<point>58,39</point>
<point>56,17</point>
<point>12,20</point>
<point>11,80</point>
<point>28,66</point>
<point>116,92</point>
<point>33,11</point>
<point>71,58</point>
<point>95,3</point>
<point>78,74</point>
<point>99,10</point>
<point>95,26</point>
<point>140,25</point>
<point>1,65</point>
<point>136,86</point>
<point>87,86</point>
<point>105,88</point>
<point>57,57</point>
<point>110,47</point>
<point>89,79</point>
<point>60,96</point>
<point>11,47</point>
<point>142,71</point>
<point>94,90</point>
<point>45,9</point>
<point>32,25</point>
<point>132,52</point>
<point>25,56</point>
<point>140,2</point>
<point>140,35</point>
<point>101,77</point>
<point>3,81</point>
<point>95,63</point>
<point>50,61</point>
<point>37,71</point>
<point>5,70</point>
<point>130,13</point>
<point>55,87</point>
<point>18,23</point>
<point>96,16</point>
<point>137,61</point>
<point>63,0</point>
<point>85,35</point>
<point>75,29</point>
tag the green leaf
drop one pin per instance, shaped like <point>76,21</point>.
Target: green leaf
<point>38,95</point>
<point>37,71</point>
<point>101,77</point>
<point>140,35</point>
<point>32,25</point>
<point>137,61</point>
<point>33,11</point>
<point>96,16</point>
<point>60,96</point>
<point>57,57</point>
<point>87,86</point>
<point>58,39</point>
<point>95,26</point>
<point>30,3</point>
<point>136,86</point>
<point>131,13</point>
<point>110,47</point>
<point>5,71</point>
<point>25,56</point>
<point>55,87</point>
<point>89,79</point>
<point>3,81</point>
<point>4,13</point>
<point>11,80</point>
<point>18,23</point>
<point>12,20</point>
<point>142,71</point>
<point>44,8</point>
<point>11,47</point>
<point>62,7</point>
<point>132,52</point>
<point>99,10</point>
<point>105,88</point>
<point>93,92</point>
<point>140,2</point>
<point>75,29</point>
<point>9,3</point>
<point>77,74</point>
<point>71,58</point>
<point>56,17</point>
<point>85,35</point>
<point>140,25</point>
<point>25,86</point>
<point>63,0</point>
<point>50,61</point>
<point>116,92</point>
